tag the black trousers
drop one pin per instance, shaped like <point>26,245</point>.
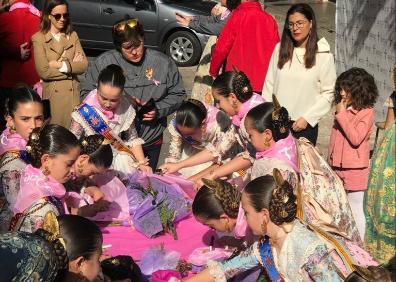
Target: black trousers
<point>311,133</point>
<point>153,152</point>
<point>5,93</point>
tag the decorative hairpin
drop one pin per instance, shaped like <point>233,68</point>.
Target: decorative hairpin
<point>28,148</point>
<point>277,107</point>
<point>51,225</point>
<point>35,136</point>
<point>115,261</point>
<point>84,143</point>
<point>245,89</point>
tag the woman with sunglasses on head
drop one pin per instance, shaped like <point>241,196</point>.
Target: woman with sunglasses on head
<point>153,83</point>
<point>302,72</point>
<point>59,58</point>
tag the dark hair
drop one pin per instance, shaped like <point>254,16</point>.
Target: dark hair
<point>263,117</point>
<point>265,192</point>
<point>53,139</point>
<point>99,154</point>
<point>21,95</point>
<point>233,82</point>
<point>360,87</point>
<point>121,267</point>
<point>82,236</point>
<point>133,35</point>
<point>49,5</point>
<point>232,4</point>
<point>113,75</point>
<point>287,42</point>
<point>191,114</point>
<point>220,198</point>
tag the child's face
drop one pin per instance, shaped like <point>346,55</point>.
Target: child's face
<point>27,117</point>
<point>90,268</point>
<point>83,167</point>
<point>194,133</point>
<point>345,96</point>
<point>109,96</point>
<point>62,165</point>
<point>256,138</point>
<point>225,103</point>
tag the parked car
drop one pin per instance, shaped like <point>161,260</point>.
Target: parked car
<point>93,21</point>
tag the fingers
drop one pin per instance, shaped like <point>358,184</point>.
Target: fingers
<point>23,45</point>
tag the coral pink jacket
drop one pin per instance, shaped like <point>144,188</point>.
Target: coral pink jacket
<point>350,138</point>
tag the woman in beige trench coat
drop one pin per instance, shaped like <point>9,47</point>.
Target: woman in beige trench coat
<point>59,58</point>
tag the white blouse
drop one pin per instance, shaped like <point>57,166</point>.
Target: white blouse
<point>306,93</point>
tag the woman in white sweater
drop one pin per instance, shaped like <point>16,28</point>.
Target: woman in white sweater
<point>302,72</point>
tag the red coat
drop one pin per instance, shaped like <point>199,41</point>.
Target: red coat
<point>17,27</point>
<point>246,42</point>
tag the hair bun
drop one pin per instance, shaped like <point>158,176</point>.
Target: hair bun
<point>33,147</point>
<point>283,207</point>
<point>241,86</point>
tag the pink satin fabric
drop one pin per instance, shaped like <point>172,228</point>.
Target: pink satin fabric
<point>284,149</point>
<point>92,100</point>
<point>11,141</point>
<point>255,100</point>
<point>34,185</point>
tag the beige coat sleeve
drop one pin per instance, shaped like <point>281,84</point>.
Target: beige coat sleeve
<point>41,62</point>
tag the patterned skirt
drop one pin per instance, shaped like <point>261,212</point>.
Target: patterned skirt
<point>379,200</point>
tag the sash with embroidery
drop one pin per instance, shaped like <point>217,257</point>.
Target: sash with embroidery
<point>268,261</point>
<point>99,126</point>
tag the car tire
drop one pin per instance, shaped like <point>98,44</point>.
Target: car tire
<point>184,48</point>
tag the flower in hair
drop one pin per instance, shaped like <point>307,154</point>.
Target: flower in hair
<point>34,136</point>
<point>84,143</point>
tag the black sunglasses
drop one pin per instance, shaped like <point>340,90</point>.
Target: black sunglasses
<point>59,16</point>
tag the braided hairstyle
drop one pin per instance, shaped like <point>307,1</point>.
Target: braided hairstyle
<point>274,194</point>
<point>52,139</point>
<point>57,246</point>
<point>267,116</point>
<point>99,151</point>
<point>233,82</point>
<point>216,198</point>
<point>191,114</point>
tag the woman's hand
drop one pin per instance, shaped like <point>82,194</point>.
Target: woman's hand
<point>170,167</point>
<point>145,168</point>
<point>55,64</point>
<point>25,51</point>
<point>341,106</point>
<point>183,20</point>
<point>300,124</point>
<point>95,193</point>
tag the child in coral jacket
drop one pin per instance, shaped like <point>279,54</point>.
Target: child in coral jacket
<point>349,149</point>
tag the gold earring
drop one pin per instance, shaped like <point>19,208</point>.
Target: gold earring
<point>79,168</point>
<point>263,228</point>
<point>227,226</point>
<point>46,171</point>
<point>12,128</point>
<point>266,142</point>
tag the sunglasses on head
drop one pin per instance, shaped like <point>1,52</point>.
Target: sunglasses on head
<point>120,27</point>
<point>59,16</point>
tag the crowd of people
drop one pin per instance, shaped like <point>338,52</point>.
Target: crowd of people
<point>248,148</point>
